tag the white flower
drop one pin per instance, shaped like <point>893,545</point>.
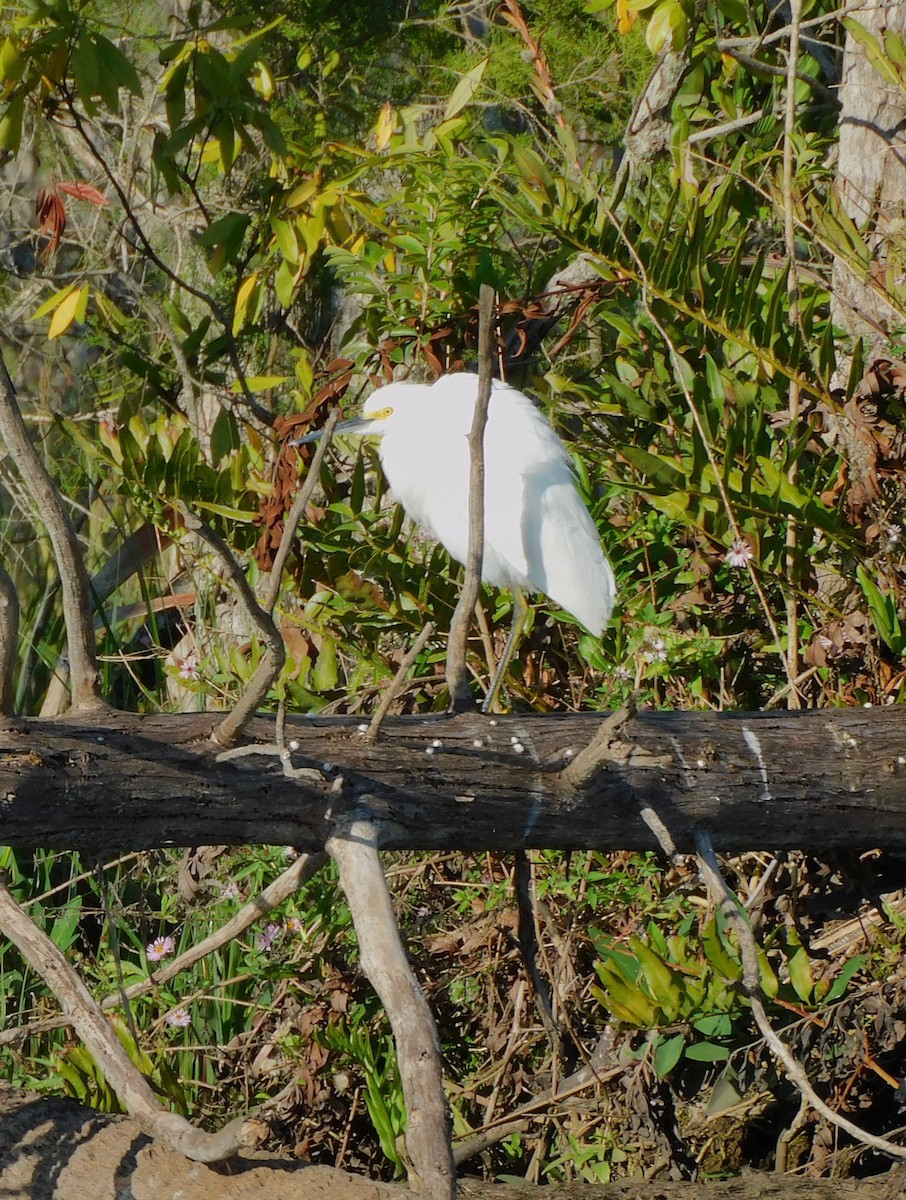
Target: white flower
<point>160,948</point>
<point>188,667</point>
<point>179,1017</point>
<point>739,554</point>
<point>658,651</point>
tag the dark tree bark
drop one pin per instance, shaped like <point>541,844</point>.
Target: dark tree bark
<point>819,780</point>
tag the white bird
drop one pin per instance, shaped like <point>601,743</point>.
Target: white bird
<point>538,535</point>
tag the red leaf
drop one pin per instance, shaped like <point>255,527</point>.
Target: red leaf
<point>84,191</point>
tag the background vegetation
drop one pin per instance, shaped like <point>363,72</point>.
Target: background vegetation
<point>217,227</point>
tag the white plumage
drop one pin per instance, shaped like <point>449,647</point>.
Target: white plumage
<point>539,536</point>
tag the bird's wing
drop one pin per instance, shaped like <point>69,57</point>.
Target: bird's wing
<point>566,558</point>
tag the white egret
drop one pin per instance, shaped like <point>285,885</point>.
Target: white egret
<point>538,535</point>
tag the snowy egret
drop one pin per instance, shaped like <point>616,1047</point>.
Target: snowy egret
<point>538,535</point>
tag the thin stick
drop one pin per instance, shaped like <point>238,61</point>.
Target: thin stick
<point>789,233</point>
<point>502,1126</point>
<point>294,516</point>
<point>271,664</point>
<point>9,641</point>
<point>355,851</point>
<point>132,1089</point>
<point>724,898</point>
<point>77,603</point>
<point>396,685</point>
<point>457,675</point>
<point>529,946</point>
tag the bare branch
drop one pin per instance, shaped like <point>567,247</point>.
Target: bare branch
<point>724,898</point>
<point>391,693</point>
<point>132,1089</point>
<point>77,604</point>
<point>355,851</point>
<point>9,640</point>
<point>527,908</point>
<point>791,555</point>
<point>600,750</point>
<point>457,675</point>
<point>755,64</point>
<point>294,516</point>
<point>271,664</point>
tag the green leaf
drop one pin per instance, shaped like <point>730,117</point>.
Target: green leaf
<point>260,383</point>
<point>325,674</point>
<point>801,976</point>
<point>883,611</point>
<point>841,983</point>
<point>716,1025</point>
<point>707,1052</point>
<point>663,982</point>
<point>224,436</point>
<point>11,125</point>
<point>717,955</point>
<point>873,51</point>
<point>465,90</point>
<point>725,1094</point>
<point>667,1053</point>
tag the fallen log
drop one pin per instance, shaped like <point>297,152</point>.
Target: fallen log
<point>820,780</point>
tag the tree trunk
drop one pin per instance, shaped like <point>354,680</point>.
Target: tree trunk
<point>871,177</point>
<point>819,780</point>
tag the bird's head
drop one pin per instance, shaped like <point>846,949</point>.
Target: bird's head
<point>377,412</point>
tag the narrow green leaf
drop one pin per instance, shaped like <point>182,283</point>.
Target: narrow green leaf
<point>465,90</point>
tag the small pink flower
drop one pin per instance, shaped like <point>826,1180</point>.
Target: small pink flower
<point>230,891</point>
<point>739,554</point>
<point>188,667</point>
<point>292,925</point>
<point>179,1018</point>
<point>160,948</point>
<point>266,939</point>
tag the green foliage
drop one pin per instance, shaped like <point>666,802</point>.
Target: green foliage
<point>290,163</point>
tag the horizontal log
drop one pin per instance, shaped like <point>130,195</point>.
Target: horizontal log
<point>818,780</point>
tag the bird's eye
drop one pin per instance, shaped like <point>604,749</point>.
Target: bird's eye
<point>382,413</point>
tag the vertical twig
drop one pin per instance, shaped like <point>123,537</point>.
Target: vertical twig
<point>355,851</point>
<point>76,589</point>
<point>9,641</point>
<point>396,684</point>
<point>789,233</point>
<point>294,516</point>
<point>457,674</point>
<point>275,656</point>
<point>529,945</point>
